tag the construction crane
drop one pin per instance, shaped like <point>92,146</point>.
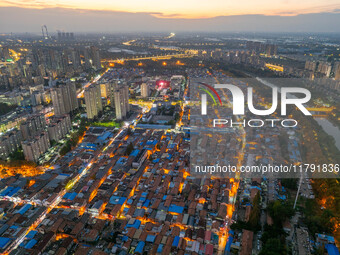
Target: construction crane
<point>44,34</point>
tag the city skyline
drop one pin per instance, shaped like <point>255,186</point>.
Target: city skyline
<point>180,127</point>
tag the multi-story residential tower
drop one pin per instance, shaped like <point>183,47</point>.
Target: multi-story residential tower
<point>36,146</point>
<point>59,127</point>
<point>64,98</point>
<point>93,101</point>
<point>145,90</point>
<point>120,96</point>
<point>34,124</point>
<point>95,57</point>
<point>10,142</point>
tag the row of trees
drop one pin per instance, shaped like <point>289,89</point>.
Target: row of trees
<point>74,139</point>
<point>274,237</point>
<point>253,224</point>
<point>322,215</point>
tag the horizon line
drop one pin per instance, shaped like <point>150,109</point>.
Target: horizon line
<point>161,15</point>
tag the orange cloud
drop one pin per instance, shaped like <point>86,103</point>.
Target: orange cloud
<point>187,9</point>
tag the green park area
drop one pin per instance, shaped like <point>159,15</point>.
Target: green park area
<point>107,124</point>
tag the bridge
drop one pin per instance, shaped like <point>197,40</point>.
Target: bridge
<point>155,58</point>
<point>320,111</point>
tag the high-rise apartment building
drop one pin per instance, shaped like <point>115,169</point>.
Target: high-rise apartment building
<point>337,71</point>
<point>5,53</point>
<point>105,89</point>
<point>76,62</point>
<point>105,92</point>
<point>95,57</point>
<point>33,125</point>
<point>10,142</point>
<point>145,90</point>
<point>271,50</point>
<point>310,65</point>
<point>120,100</point>
<point>324,68</point>
<point>87,58</point>
<point>64,98</point>
<point>93,101</point>
<point>36,146</point>
<point>59,127</point>
<point>36,98</point>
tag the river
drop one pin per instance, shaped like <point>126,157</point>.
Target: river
<point>326,125</point>
<point>330,129</point>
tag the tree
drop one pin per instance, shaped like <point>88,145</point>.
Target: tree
<point>290,183</point>
<point>273,237</point>
<point>129,149</point>
<point>254,217</point>
<point>53,142</point>
<point>273,246</point>
<point>6,108</point>
<point>280,211</point>
<point>17,155</point>
<point>66,148</point>
<point>177,116</point>
<point>239,225</point>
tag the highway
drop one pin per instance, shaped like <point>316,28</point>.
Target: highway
<point>97,78</point>
<point>130,42</point>
<point>170,36</point>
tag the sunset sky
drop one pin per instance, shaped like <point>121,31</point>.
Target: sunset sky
<point>189,8</point>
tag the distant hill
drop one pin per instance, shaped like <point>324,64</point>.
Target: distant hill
<point>15,19</point>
